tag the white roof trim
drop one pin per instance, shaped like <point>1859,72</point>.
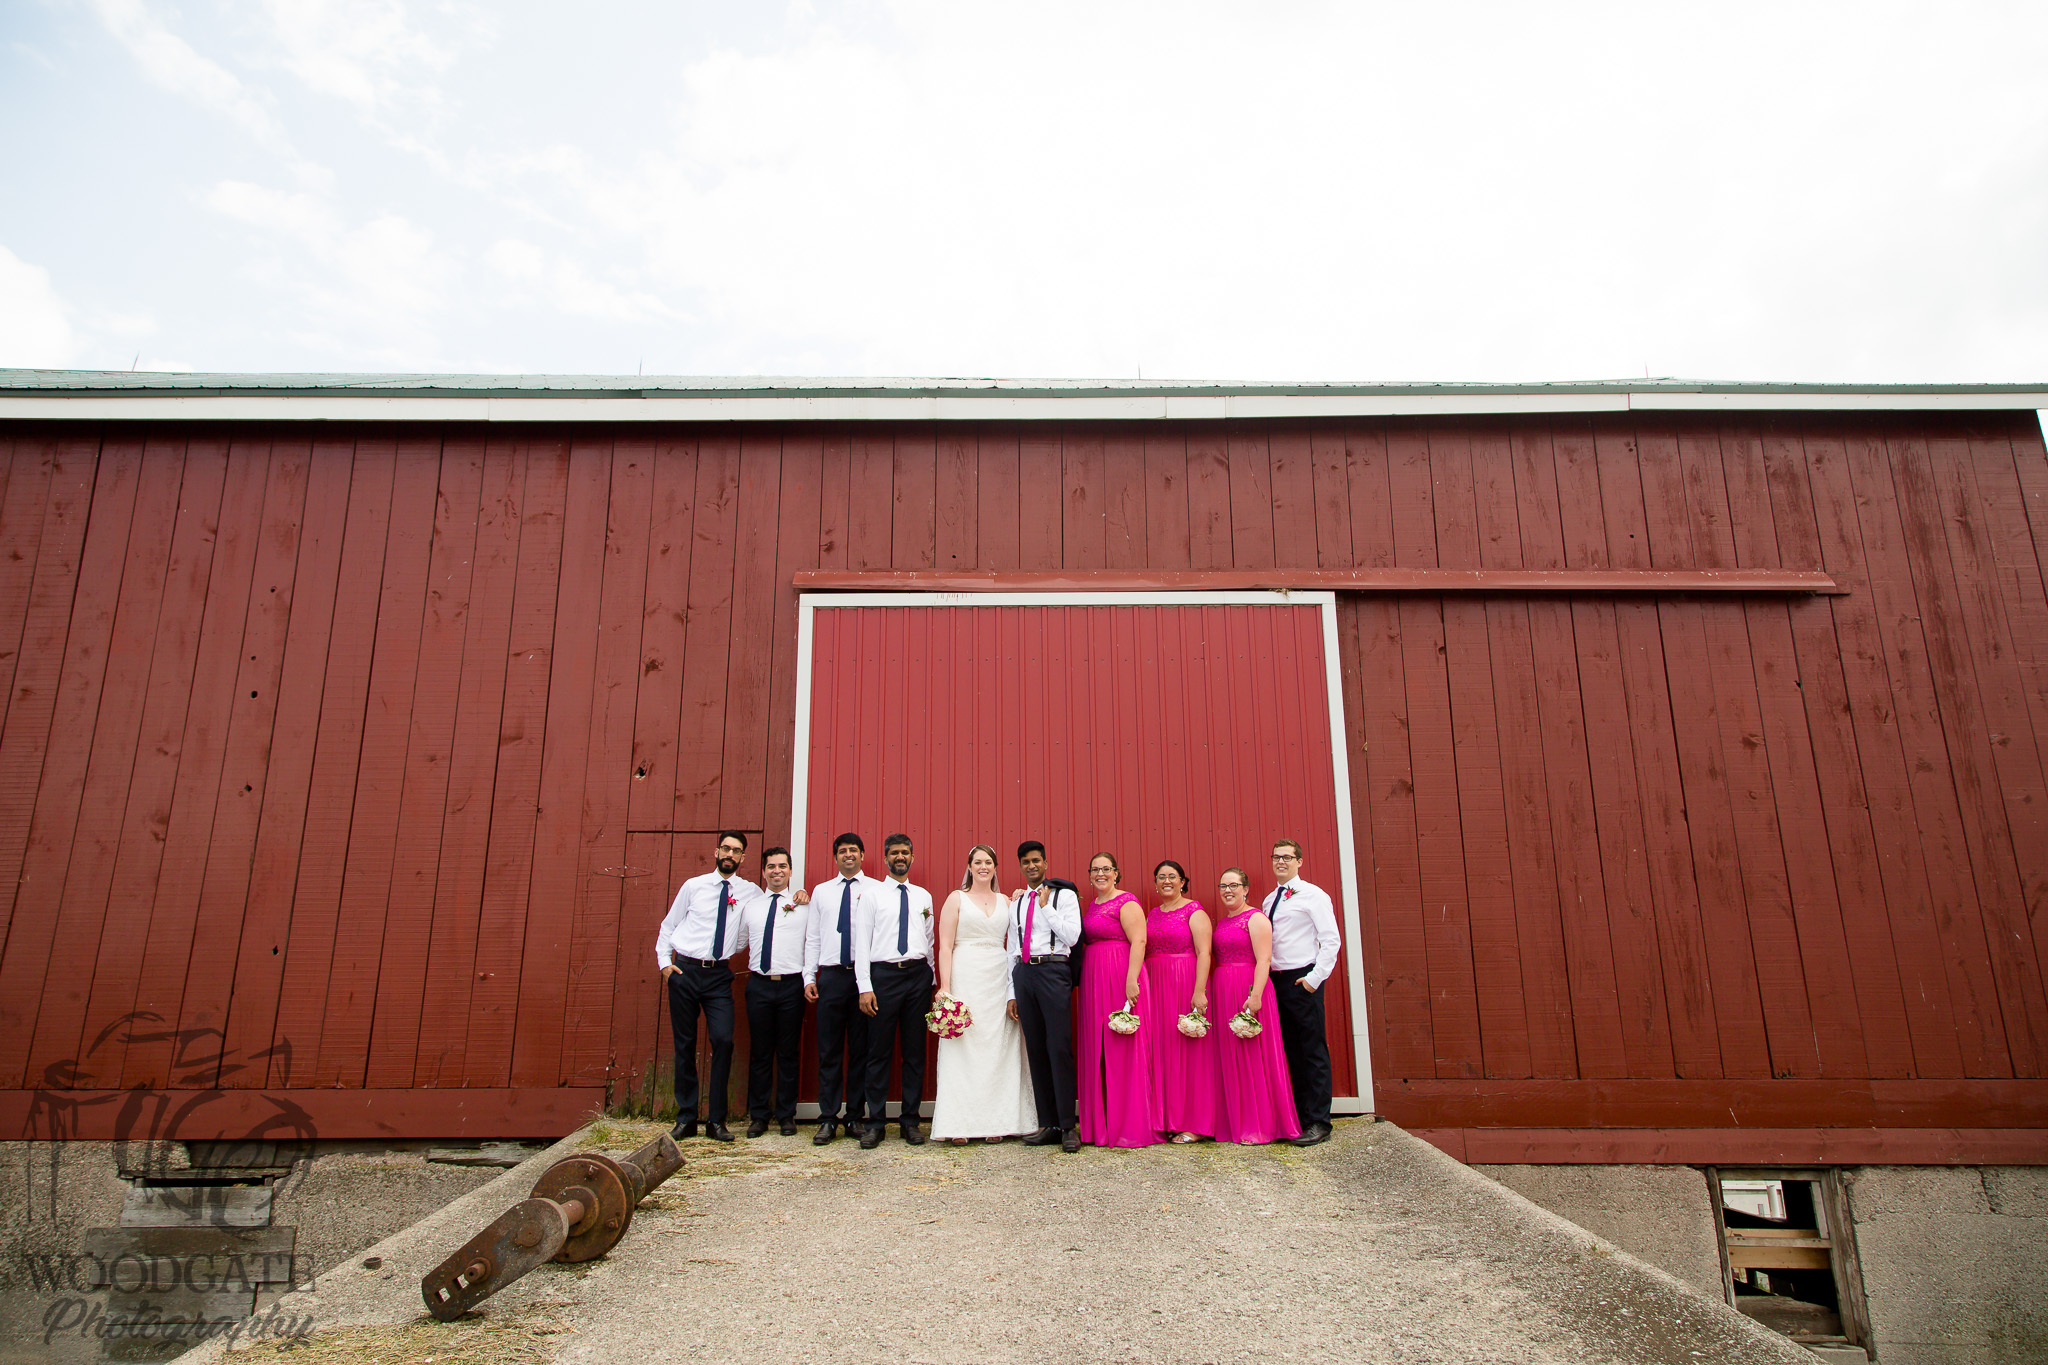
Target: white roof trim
<point>90,405</point>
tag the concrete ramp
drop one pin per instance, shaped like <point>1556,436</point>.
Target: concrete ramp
<point>1374,1247</point>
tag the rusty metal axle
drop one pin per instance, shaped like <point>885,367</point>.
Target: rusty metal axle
<point>579,1209</point>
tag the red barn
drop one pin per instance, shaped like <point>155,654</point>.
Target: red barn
<point>1675,752</point>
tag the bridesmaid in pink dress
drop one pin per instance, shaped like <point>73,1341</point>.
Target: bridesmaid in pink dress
<point>1119,1105</point>
<point>1177,979</point>
<point>1258,1098</point>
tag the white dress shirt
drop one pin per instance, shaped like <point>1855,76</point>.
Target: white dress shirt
<point>1055,925</point>
<point>792,926</point>
<point>692,920</point>
<point>821,937</point>
<point>1304,929</point>
<point>878,925</point>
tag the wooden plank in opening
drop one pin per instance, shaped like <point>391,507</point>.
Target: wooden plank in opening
<point>956,499</point>
<point>1001,505</point>
<point>1209,501</point>
<point>1123,497</point>
<point>796,511</point>
<point>1166,500</point>
<point>756,588</point>
<point>657,713</point>
<point>1251,499</point>
<point>1041,521</point>
<point>1294,498</point>
<point>870,502</point>
<point>1084,518</point>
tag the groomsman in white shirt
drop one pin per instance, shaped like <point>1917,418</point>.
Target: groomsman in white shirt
<point>892,961</point>
<point>701,930</point>
<point>829,980</point>
<point>1305,943</point>
<point>1045,924</point>
<point>772,932</point>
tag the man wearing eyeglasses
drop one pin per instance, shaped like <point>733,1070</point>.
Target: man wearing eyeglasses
<point>1305,943</point>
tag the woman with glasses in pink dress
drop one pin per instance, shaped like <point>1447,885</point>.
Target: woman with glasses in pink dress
<point>1257,1102</point>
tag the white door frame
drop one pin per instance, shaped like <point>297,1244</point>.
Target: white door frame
<point>1347,853</point>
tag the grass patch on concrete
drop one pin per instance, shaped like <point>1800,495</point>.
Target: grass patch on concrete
<point>527,1338</point>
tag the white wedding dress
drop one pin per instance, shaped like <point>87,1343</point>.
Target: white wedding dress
<point>984,1083</point>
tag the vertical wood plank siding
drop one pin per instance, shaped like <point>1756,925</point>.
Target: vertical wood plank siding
<point>370,759</point>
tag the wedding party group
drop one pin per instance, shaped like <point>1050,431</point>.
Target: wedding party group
<point>1189,1023</point>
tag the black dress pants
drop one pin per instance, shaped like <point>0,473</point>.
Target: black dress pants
<point>1044,992</point>
<point>842,1044</point>
<point>1308,1046</point>
<point>693,988</point>
<point>775,1025</point>
<point>902,997</point>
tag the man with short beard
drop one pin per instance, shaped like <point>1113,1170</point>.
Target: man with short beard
<point>892,965</point>
<point>701,930</point>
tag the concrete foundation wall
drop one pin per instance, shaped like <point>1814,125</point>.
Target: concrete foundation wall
<point>1955,1262</point>
<point>1658,1213</point>
<point>339,1200</point>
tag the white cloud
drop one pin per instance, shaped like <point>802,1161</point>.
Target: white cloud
<point>366,52</point>
<point>565,285</point>
<point>174,65</point>
<point>35,327</point>
<point>381,280</point>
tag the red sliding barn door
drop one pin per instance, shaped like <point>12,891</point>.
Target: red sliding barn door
<point>1194,732</point>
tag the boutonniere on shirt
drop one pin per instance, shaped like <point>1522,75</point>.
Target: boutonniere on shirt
<point>788,906</point>
<point>926,912</point>
<point>1286,893</point>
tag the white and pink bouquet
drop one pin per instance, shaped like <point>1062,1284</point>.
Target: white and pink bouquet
<point>949,1018</point>
<point>1245,1024</point>
<point>1194,1024</point>
<point>1124,1021</point>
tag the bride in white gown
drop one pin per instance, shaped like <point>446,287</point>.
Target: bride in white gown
<point>984,1085</point>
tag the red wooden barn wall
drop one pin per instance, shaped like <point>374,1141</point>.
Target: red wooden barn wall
<point>338,753</point>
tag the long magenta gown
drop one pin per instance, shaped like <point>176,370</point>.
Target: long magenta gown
<point>1258,1097</point>
<point>1183,1068</point>
<point>1119,1105</point>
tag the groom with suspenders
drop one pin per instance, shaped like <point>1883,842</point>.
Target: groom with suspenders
<point>1045,931</point>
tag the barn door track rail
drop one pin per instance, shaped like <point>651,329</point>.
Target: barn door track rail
<point>1667,582</point>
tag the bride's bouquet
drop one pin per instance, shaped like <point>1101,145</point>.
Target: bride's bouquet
<point>1124,1021</point>
<point>949,1018</point>
<point>1194,1024</point>
<point>1245,1024</point>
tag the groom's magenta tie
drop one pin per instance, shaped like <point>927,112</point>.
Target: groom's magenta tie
<point>903,919</point>
<point>1030,913</point>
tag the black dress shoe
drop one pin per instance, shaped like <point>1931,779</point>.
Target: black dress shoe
<point>1311,1135</point>
<point>913,1135</point>
<point>789,1127</point>
<point>718,1132</point>
<point>685,1128</point>
<point>871,1137</point>
<point>1070,1141</point>
<point>827,1130</point>
<point>758,1128</point>
<point>1044,1137</point>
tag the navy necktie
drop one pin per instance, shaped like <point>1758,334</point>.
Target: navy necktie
<point>718,931</point>
<point>903,921</point>
<point>1278,893</point>
<point>767,962</point>
<point>846,923</point>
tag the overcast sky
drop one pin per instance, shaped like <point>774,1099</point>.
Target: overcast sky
<point>1187,190</point>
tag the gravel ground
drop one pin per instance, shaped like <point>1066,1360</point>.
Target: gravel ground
<point>1374,1247</point>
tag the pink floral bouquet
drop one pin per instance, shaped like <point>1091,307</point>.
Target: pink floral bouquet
<point>1194,1024</point>
<point>1124,1021</point>
<point>949,1018</point>
<point>1245,1024</point>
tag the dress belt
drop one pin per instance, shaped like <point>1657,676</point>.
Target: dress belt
<point>905,965</point>
<point>1043,957</point>
<point>679,960</point>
